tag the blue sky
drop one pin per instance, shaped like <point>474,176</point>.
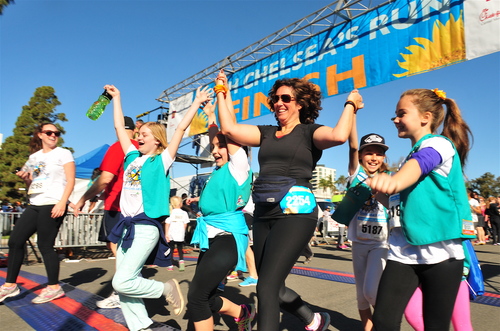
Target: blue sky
<point>144,47</point>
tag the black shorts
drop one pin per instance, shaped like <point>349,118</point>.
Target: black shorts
<point>480,221</point>
<point>111,217</point>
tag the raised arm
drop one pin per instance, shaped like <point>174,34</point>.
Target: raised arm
<point>202,96</point>
<point>353,148</point>
<point>326,137</point>
<point>118,120</point>
<point>243,134</point>
<point>209,110</point>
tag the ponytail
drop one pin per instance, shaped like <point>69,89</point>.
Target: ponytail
<point>457,130</point>
<point>454,126</point>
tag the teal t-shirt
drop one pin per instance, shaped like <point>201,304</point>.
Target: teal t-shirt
<point>222,193</point>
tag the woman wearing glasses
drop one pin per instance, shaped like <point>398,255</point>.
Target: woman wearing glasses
<point>284,224</point>
<point>50,175</point>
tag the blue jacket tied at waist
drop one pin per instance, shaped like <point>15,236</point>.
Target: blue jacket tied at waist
<point>157,256</point>
<point>233,222</point>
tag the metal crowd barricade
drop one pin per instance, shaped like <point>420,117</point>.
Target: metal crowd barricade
<point>7,221</point>
<point>81,231</point>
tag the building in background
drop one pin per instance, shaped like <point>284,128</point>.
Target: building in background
<point>323,182</point>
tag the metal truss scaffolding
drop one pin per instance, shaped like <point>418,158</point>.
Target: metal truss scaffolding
<point>335,13</point>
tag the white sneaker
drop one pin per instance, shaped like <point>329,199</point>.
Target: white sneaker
<point>49,294</point>
<point>7,292</point>
<point>113,301</point>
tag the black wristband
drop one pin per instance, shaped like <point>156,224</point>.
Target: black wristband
<point>349,102</point>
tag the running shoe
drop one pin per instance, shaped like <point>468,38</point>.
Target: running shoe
<point>233,276</point>
<point>181,265</point>
<point>113,301</point>
<point>49,294</point>
<point>343,247</point>
<point>323,324</point>
<point>174,296</point>
<point>244,323</point>
<point>170,268</point>
<point>249,281</point>
<point>7,292</point>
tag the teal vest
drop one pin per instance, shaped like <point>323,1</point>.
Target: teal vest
<point>222,193</point>
<point>155,185</point>
<point>435,208</point>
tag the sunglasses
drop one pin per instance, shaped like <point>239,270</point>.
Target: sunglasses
<point>50,133</point>
<point>286,98</point>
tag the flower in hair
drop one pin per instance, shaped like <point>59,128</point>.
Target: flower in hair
<point>440,93</point>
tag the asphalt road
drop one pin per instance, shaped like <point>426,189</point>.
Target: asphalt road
<point>325,284</point>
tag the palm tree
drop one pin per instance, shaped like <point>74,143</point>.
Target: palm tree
<point>4,3</point>
<point>326,183</point>
<point>342,182</point>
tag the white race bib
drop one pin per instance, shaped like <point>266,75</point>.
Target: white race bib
<point>394,211</point>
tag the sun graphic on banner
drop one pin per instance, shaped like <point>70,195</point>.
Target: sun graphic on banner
<point>446,47</point>
<point>199,124</point>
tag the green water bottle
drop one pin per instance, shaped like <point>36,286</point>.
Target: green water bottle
<point>95,111</point>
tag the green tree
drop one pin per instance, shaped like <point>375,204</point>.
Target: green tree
<point>342,182</point>
<point>326,183</point>
<point>15,150</point>
<point>487,185</point>
<point>4,3</point>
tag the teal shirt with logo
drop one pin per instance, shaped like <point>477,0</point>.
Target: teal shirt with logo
<point>155,185</point>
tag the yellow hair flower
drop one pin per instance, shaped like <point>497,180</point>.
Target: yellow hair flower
<point>440,93</point>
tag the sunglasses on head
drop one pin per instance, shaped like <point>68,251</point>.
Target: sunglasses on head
<point>50,133</point>
<point>286,98</point>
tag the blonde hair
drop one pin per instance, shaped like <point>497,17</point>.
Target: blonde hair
<point>160,133</point>
<point>454,126</point>
<point>175,202</point>
<point>490,200</point>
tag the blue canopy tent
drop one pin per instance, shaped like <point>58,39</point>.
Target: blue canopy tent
<point>86,163</point>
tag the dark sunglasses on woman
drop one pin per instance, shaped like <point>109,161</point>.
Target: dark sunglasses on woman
<point>50,133</point>
<point>286,98</point>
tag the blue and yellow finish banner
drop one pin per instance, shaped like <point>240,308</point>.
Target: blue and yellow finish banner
<point>397,40</point>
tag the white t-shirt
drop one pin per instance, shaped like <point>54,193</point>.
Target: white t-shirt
<point>474,203</point>
<point>178,218</point>
<point>131,203</point>
<point>369,225</point>
<point>402,251</point>
<point>49,178</point>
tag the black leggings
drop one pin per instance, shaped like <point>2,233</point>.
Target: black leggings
<point>439,282</point>
<point>180,246</point>
<point>277,246</point>
<point>213,265</point>
<point>35,219</point>
<point>495,226</point>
